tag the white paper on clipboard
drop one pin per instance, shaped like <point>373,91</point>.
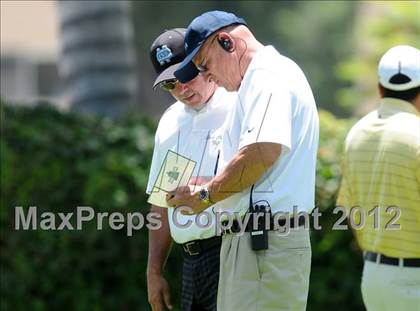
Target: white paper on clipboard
<point>175,171</point>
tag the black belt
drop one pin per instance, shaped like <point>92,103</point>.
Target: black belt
<point>406,262</point>
<point>281,223</point>
<point>197,247</point>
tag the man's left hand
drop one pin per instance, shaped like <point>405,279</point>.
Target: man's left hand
<point>188,198</point>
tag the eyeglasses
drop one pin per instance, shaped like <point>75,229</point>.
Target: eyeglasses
<point>168,85</point>
<point>202,66</point>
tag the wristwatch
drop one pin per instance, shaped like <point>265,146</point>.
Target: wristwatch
<point>204,196</point>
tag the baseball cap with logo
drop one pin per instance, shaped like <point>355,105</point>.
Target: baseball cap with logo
<point>167,52</point>
<point>399,68</point>
<point>198,31</point>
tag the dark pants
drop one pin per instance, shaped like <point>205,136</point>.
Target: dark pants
<point>200,280</point>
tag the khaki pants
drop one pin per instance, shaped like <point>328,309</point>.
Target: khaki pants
<point>275,279</point>
<point>386,287</point>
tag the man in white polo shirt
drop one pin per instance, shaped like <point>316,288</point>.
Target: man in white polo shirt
<point>191,127</point>
<point>274,132</point>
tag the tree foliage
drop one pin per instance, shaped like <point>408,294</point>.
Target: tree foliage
<point>378,26</point>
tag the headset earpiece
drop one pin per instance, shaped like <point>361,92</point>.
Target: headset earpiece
<point>226,44</point>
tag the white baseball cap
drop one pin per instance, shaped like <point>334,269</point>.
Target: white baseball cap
<point>399,68</point>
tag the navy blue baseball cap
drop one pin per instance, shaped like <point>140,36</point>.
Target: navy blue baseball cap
<point>167,52</point>
<point>198,31</point>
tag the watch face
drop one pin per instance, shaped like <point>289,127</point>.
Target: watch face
<point>203,194</point>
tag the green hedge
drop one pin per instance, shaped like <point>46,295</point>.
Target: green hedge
<point>58,161</point>
<point>336,261</point>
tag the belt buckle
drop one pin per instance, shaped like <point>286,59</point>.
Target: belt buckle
<point>189,248</point>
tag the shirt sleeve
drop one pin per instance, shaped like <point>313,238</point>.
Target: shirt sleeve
<point>343,198</point>
<point>418,167</point>
<point>155,164</point>
<point>267,117</point>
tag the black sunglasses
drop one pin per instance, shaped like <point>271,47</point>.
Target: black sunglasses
<point>168,85</point>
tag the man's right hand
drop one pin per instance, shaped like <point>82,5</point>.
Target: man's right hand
<point>158,292</point>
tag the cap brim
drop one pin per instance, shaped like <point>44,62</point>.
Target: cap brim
<point>185,72</point>
<point>167,74</point>
<point>400,87</point>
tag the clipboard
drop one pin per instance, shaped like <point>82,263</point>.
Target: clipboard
<point>175,171</point>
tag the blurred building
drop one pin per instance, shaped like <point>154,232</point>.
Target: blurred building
<point>29,52</point>
<point>75,54</point>
<point>98,60</point>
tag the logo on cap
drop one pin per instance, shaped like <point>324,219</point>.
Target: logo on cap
<point>163,55</point>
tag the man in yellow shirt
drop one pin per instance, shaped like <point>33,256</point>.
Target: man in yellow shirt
<point>381,181</point>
